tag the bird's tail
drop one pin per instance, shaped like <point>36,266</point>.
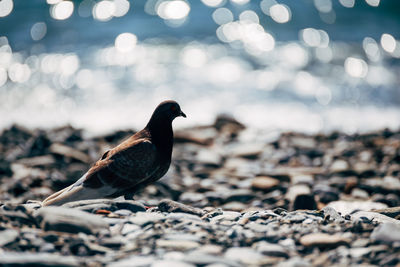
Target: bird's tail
<point>74,192</point>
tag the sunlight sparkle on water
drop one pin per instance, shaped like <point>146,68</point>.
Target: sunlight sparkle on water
<point>213,3</point>
<point>240,2</point>
<point>121,7</point>
<point>62,10</point>
<point>388,42</point>
<point>38,31</point>
<point>373,3</point>
<point>324,6</point>
<point>104,10</point>
<point>249,16</point>
<point>280,13</point>
<point>222,16</point>
<point>347,3</point>
<point>194,57</point>
<point>19,73</point>
<point>356,67</point>
<point>173,10</point>
<point>371,49</point>
<point>3,76</point>
<point>125,42</point>
<point>6,6</point>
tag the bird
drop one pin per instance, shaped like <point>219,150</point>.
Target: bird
<point>137,162</point>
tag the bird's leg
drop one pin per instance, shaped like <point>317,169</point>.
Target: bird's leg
<point>129,196</point>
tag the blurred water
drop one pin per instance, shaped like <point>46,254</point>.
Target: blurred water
<point>289,65</point>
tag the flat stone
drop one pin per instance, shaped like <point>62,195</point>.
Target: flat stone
<point>39,161</point>
<point>333,214</point>
<point>171,263</point>
<point>7,236</point>
<point>248,151</point>
<point>37,259</point>
<point>134,261</point>
<point>244,255</point>
<point>69,220</point>
<point>144,218</point>
<point>391,212</point>
<point>373,216</point>
<point>203,259</point>
<point>347,207</point>
<point>264,183</point>
<point>270,249</point>
<point>339,166</point>
<point>386,232</point>
<point>69,152</point>
<point>177,244</point>
<point>302,179</point>
<point>227,216</point>
<point>92,205</point>
<point>323,240</point>
<point>209,157</point>
<point>167,205</point>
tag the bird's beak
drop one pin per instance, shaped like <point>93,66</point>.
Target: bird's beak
<point>182,114</point>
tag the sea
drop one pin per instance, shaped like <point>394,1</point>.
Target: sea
<point>312,66</point>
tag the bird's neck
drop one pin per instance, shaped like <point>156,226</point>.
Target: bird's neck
<point>161,135</point>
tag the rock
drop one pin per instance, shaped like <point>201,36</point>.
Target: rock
<point>323,240</point>
<point>295,190</point>
<point>347,207</point>
<point>307,179</point>
<point>209,157</point>
<point>234,206</point>
<point>39,161</point>
<point>8,236</point>
<point>167,205</point>
<point>373,216</point>
<point>294,262</point>
<point>304,202</point>
<point>69,152</point>
<point>326,193</point>
<point>339,166</point>
<point>247,151</point>
<point>391,212</point>
<point>333,214</point>
<point>244,255</point>
<point>203,259</point>
<point>69,220</point>
<point>37,259</point>
<point>226,216</point>
<point>264,183</point>
<point>177,244</point>
<point>145,218</point>
<point>171,263</point>
<point>92,205</point>
<point>386,232</point>
<point>133,261</point>
<point>359,193</point>
<point>273,250</point>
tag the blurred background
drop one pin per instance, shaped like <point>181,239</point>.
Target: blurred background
<point>304,65</point>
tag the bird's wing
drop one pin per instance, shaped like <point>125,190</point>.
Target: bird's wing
<point>123,167</point>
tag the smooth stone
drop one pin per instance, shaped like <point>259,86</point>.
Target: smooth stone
<point>248,151</point>
<point>391,212</point>
<point>373,216</point>
<point>294,262</point>
<point>145,218</point>
<point>209,157</point>
<point>129,228</point>
<point>167,205</point>
<point>270,249</point>
<point>69,152</point>
<point>244,255</point>
<point>179,216</point>
<point>226,215</point>
<point>359,193</point>
<point>391,183</point>
<point>201,259</point>
<point>359,252</point>
<point>347,207</point>
<point>307,179</point>
<point>182,236</point>
<point>191,197</point>
<point>240,195</point>
<point>177,244</point>
<point>171,263</point>
<point>37,259</point>
<point>333,214</point>
<point>386,232</point>
<point>133,261</point>
<point>69,220</point>
<point>304,202</point>
<point>295,190</point>
<point>211,249</point>
<point>91,205</point>
<point>38,161</point>
<point>264,183</point>
<point>257,227</point>
<point>7,236</point>
<point>326,193</point>
<point>323,240</point>
<point>234,206</point>
<point>339,166</point>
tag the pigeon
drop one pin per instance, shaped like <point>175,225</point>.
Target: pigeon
<point>138,161</point>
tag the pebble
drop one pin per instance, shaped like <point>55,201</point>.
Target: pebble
<point>323,240</point>
<point>386,232</point>
<point>177,244</point>
<point>167,205</point>
<point>7,236</point>
<point>264,183</point>
<point>69,220</point>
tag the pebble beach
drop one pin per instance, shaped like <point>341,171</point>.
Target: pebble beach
<point>232,197</point>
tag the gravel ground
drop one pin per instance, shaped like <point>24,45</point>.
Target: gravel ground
<point>233,197</point>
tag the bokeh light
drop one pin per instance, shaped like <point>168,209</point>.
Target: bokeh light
<point>373,3</point>
<point>104,10</point>
<point>388,42</point>
<point>173,10</point>
<point>280,13</point>
<point>62,10</point>
<point>347,3</point>
<point>38,31</point>
<point>213,3</point>
<point>356,67</point>
<point>6,6</point>
<point>125,42</point>
<point>222,16</point>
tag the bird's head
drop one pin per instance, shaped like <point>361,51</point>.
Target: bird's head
<point>168,110</point>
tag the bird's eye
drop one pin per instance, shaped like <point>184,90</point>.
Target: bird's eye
<point>173,108</point>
